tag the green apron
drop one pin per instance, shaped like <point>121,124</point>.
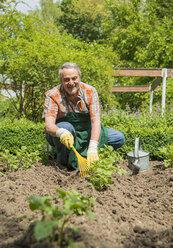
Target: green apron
<point>82,125</point>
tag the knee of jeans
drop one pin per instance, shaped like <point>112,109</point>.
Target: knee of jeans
<point>122,139</point>
<point>68,126</point>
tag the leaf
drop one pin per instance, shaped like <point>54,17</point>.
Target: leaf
<point>61,193</point>
<point>39,203</point>
<point>43,229</point>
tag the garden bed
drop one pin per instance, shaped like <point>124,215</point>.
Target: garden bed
<point>135,211</point>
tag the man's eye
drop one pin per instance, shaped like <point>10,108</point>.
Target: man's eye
<point>66,79</point>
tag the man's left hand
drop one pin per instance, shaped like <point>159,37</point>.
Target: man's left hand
<point>92,153</point>
<point>92,157</point>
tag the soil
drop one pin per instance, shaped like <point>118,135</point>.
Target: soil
<point>135,211</point>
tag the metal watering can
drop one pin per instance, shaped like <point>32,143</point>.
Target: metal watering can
<point>138,160</point>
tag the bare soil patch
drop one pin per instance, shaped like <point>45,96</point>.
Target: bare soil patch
<point>135,211</point>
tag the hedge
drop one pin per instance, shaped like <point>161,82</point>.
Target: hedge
<point>154,131</point>
<point>18,133</point>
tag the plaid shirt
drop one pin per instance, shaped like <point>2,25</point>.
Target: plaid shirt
<point>57,103</point>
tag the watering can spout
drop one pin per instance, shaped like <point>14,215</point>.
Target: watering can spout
<point>136,164</point>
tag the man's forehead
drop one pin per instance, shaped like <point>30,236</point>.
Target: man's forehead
<point>69,71</point>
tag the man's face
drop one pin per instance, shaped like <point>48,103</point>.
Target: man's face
<point>70,80</point>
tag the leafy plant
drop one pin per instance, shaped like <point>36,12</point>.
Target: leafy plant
<point>22,159</point>
<point>100,173</point>
<point>167,154</point>
<point>154,130</point>
<point>56,217</point>
<point>71,244</point>
<point>17,133</point>
<point>8,161</point>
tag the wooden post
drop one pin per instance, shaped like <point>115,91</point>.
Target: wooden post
<point>164,75</point>
<point>154,85</point>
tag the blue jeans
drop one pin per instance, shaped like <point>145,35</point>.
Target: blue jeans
<point>115,139</point>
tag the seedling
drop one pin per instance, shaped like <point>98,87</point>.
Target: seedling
<point>100,174</point>
<point>9,161</point>
<point>22,158</point>
<point>56,217</point>
<point>167,154</point>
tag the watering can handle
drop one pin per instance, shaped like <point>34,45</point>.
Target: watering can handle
<point>137,147</point>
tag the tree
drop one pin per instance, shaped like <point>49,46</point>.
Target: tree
<point>31,54</point>
<point>48,12</point>
<point>26,61</point>
<point>82,18</point>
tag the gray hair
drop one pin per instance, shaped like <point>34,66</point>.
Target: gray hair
<point>69,65</point>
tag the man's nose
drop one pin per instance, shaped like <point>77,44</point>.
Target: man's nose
<point>71,81</point>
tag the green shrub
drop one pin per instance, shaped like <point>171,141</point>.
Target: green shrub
<point>155,131</point>
<point>18,133</point>
<point>7,108</point>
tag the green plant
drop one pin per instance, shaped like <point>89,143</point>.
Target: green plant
<point>100,174</point>
<point>22,159</point>
<point>8,161</point>
<point>154,130</point>
<point>71,244</point>
<point>167,154</point>
<point>17,133</point>
<point>54,216</point>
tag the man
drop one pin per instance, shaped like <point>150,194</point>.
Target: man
<point>72,118</point>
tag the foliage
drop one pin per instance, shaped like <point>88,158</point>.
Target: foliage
<point>137,31</point>
<point>28,78</point>
<point>46,49</point>
<point>82,18</point>
<point>21,159</point>
<point>166,153</point>
<point>154,130</point>
<point>7,108</point>
<point>100,174</point>
<point>48,11</point>
<point>54,216</point>
<point>17,133</point>
<point>97,35</point>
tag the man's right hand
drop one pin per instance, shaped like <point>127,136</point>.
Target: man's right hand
<point>66,138</point>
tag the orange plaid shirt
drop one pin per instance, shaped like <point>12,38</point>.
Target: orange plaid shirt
<point>57,103</point>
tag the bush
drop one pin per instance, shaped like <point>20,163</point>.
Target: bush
<point>18,133</point>
<point>7,108</point>
<point>155,131</point>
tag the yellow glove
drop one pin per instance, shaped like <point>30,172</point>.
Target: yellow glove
<point>92,153</point>
<point>66,138</point>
